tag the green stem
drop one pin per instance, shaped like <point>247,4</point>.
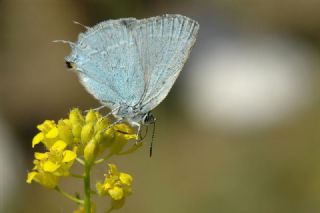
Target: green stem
<point>87,189</point>
<point>101,160</point>
<point>67,195</point>
<point>109,210</point>
<point>76,176</point>
<point>80,161</point>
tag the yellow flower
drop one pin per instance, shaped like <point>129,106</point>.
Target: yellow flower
<point>49,166</point>
<point>48,135</point>
<point>47,180</point>
<point>116,184</point>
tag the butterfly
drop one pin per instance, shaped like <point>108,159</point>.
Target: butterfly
<point>131,64</point>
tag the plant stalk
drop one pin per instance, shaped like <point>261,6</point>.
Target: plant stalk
<point>87,189</point>
<point>67,195</point>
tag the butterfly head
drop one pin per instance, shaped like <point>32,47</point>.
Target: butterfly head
<point>148,118</point>
<point>70,65</point>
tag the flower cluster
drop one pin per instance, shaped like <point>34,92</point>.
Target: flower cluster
<point>51,165</point>
<point>82,138</point>
<point>116,184</point>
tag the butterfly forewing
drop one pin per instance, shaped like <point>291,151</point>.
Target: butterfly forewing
<point>108,61</point>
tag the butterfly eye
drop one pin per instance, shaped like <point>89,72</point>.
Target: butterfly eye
<point>70,65</point>
<point>149,118</point>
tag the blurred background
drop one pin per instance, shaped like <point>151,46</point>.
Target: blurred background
<point>239,132</point>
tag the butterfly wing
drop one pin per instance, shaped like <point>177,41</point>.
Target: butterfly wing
<point>164,44</point>
<point>108,63</point>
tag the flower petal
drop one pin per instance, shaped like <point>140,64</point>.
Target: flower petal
<point>52,133</point>
<point>125,179</point>
<point>37,139</point>
<point>49,166</point>
<point>58,146</point>
<point>113,170</point>
<point>68,156</point>
<point>116,193</point>
<point>40,156</point>
<point>31,176</point>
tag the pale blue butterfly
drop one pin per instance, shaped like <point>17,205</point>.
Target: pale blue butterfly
<point>130,65</point>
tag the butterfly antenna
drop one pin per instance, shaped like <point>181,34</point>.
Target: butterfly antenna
<point>86,27</point>
<point>152,139</point>
<point>71,44</point>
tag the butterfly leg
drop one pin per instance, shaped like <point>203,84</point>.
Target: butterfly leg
<point>112,112</point>
<point>141,137</point>
<point>104,104</point>
<point>138,125</point>
<point>96,109</point>
<point>113,124</point>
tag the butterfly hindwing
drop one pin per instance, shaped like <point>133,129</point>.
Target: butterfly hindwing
<point>164,43</point>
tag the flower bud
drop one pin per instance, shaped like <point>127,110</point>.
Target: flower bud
<point>90,152</point>
<point>91,116</point>
<point>87,133</point>
<point>75,116</point>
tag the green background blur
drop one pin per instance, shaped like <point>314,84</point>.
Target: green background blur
<point>227,158</point>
